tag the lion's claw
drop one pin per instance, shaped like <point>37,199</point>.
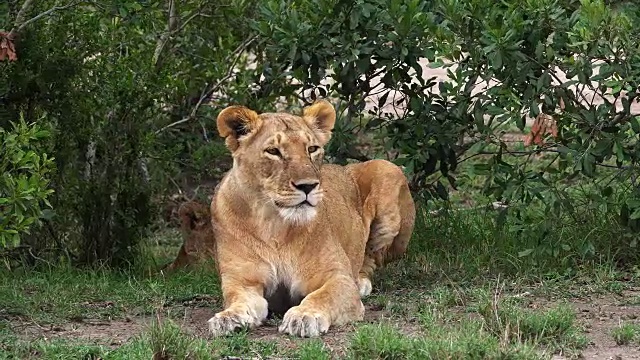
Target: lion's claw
<point>302,322</point>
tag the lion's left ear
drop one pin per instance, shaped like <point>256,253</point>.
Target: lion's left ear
<point>321,116</point>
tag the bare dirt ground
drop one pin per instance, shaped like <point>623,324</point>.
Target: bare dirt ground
<point>598,316</point>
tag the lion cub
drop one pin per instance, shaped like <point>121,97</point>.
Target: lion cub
<point>197,236</point>
<point>292,233</point>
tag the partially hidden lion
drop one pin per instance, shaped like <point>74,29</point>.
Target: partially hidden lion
<point>197,235</point>
<point>296,236</point>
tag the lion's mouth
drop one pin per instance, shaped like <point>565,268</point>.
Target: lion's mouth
<point>299,205</point>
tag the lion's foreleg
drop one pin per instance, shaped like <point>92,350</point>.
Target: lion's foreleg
<point>245,306</point>
<point>336,302</point>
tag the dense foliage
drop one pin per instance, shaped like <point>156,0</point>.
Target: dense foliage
<point>122,84</point>
<point>129,91</point>
<point>575,64</point>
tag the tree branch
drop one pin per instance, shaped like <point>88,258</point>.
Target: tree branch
<point>164,38</point>
<point>22,13</point>
<point>540,151</point>
<point>20,24</point>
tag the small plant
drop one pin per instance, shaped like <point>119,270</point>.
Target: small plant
<point>380,342</point>
<point>626,333</point>
<point>445,297</point>
<point>312,350</point>
<point>24,180</point>
<point>554,327</point>
<point>167,341</point>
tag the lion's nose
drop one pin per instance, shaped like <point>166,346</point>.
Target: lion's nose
<point>306,187</point>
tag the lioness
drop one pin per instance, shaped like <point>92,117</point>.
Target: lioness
<point>197,236</point>
<point>293,232</point>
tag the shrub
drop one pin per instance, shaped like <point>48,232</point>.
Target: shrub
<point>572,66</point>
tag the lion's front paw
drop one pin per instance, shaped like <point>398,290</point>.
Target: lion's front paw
<point>304,322</point>
<point>227,321</point>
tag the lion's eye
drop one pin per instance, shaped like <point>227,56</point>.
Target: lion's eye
<point>313,149</point>
<point>274,152</point>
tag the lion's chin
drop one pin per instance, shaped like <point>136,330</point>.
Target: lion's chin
<point>298,215</point>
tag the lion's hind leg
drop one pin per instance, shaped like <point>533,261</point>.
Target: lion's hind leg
<point>390,206</point>
<point>384,230</point>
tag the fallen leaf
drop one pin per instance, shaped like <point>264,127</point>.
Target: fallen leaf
<point>7,48</point>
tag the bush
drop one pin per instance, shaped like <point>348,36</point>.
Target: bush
<point>127,86</point>
<point>572,66</point>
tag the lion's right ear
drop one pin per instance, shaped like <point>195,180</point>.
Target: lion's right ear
<point>235,122</point>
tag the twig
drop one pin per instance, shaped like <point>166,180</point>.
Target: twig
<point>176,185</point>
<point>191,115</point>
<point>21,15</point>
<point>184,23</point>
<point>204,133</point>
<point>543,150</point>
<point>20,24</point>
<point>164,38</point>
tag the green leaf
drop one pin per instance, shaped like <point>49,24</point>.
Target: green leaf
<point>619,151</point>
<point>635,124</point>
<point>292,52</point>
<point>374,123</point>
<point>525,253</point>
<point>494,110</point>
<point>442,191</point>
<point>383,100</point>
<point>588,164</point>
<point>481,169</point>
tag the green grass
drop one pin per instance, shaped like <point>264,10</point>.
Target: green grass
<point>467,340</point>
<point>553,328</point>
<point>71,294</point>
<point>162,340</point>
<point>626,334</point>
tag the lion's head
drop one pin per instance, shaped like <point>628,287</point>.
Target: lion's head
<point>194,217</point>
<point>278,156</point>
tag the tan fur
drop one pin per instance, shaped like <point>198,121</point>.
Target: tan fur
<point>317,257</point>
<point>197,236</point>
